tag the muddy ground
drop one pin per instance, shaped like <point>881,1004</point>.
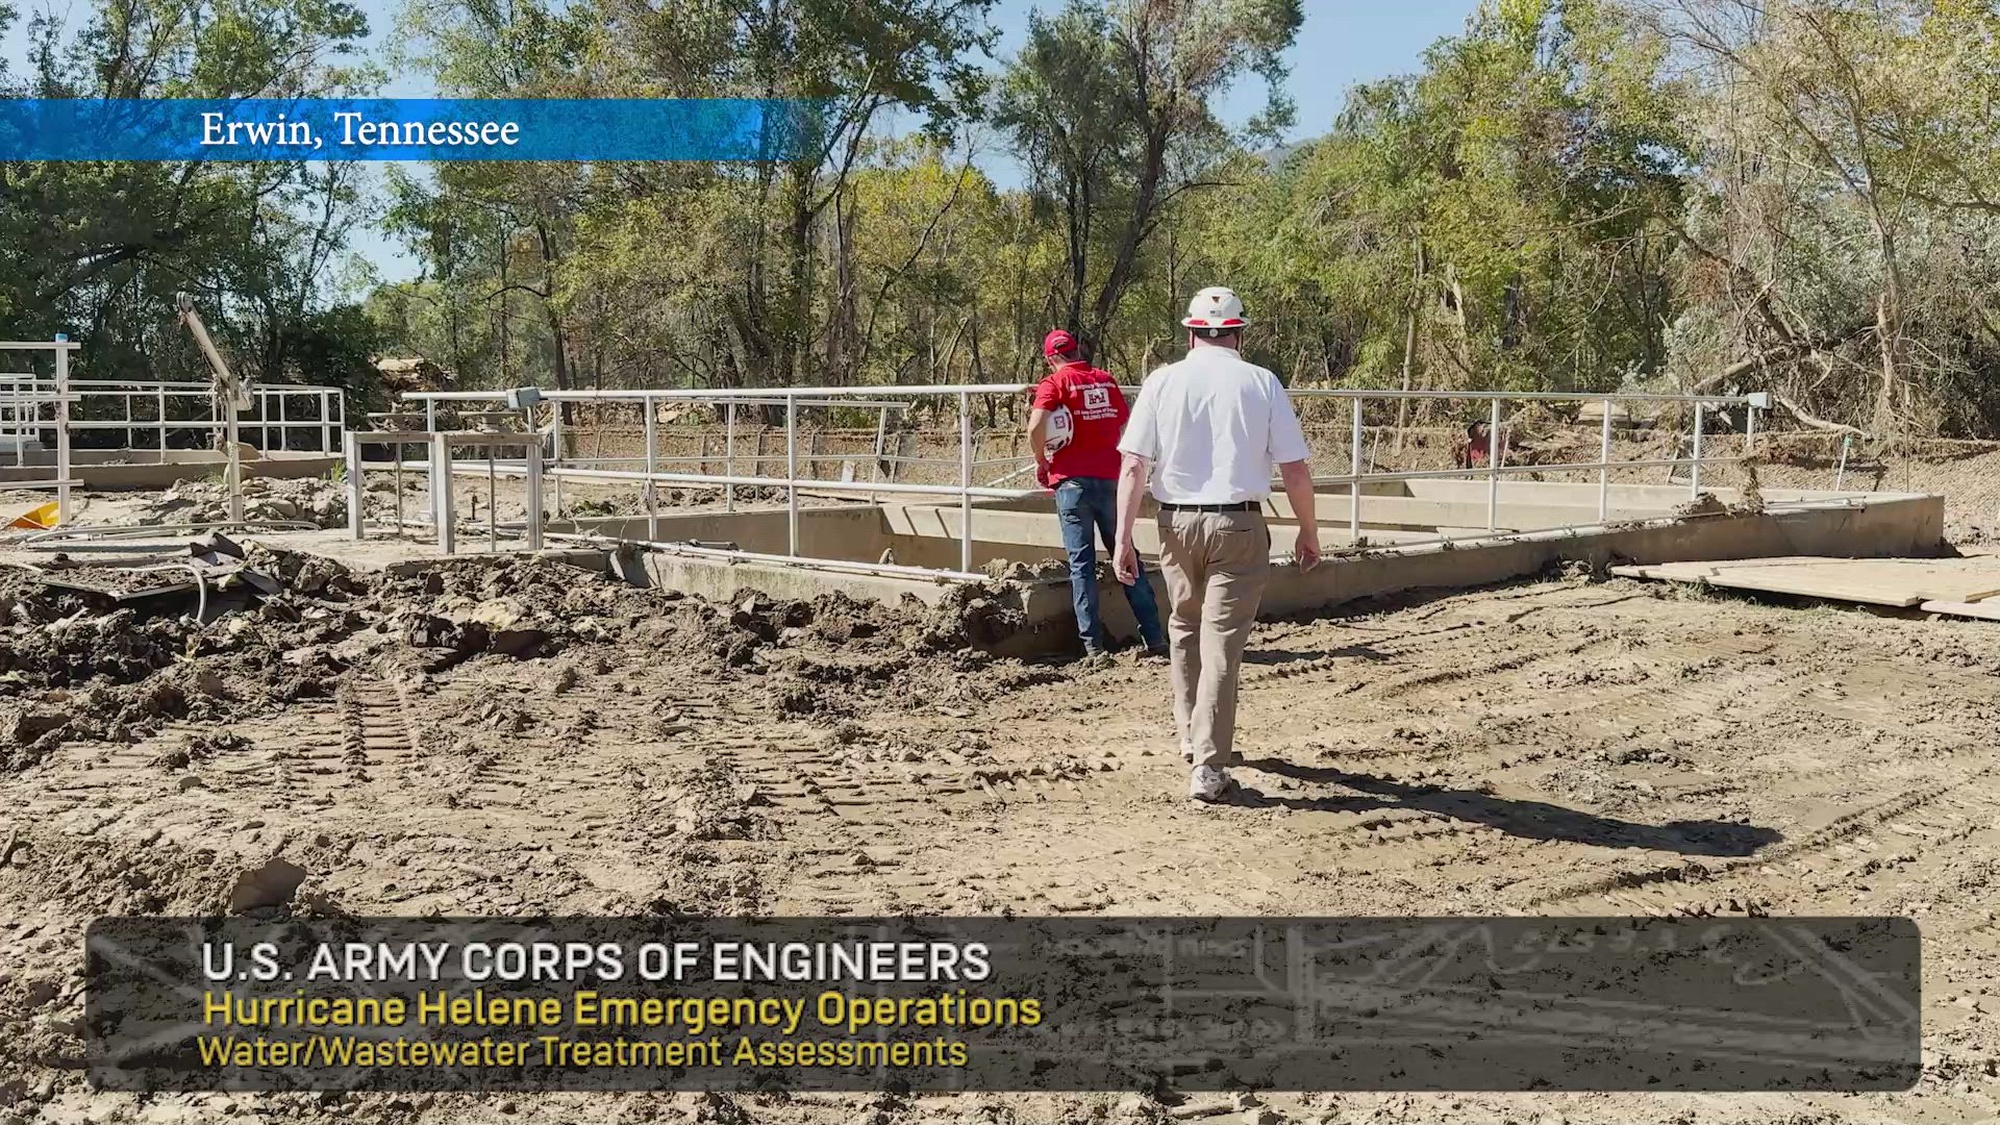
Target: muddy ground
<point>506,738</point>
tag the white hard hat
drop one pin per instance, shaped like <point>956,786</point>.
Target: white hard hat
<point>1216,307</point>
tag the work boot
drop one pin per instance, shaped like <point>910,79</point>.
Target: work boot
<point>1094,656</point>
<point>1206,783</point>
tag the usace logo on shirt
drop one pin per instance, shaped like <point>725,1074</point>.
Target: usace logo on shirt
<point>1061,428</point>
<point>1097,402</point>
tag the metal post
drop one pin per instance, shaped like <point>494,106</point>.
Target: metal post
<point>163,423</point>
<point>492,502</point>
<point>556,452</point>
<point>441,514</point>
<point>792,474</point>
<point>729,458</point>
<point>1494,446</point>
<point>1840,474</point>
<point>881,439</point>
<point>652,466</point>
<point>354,489</point>
<point>129,443</point>
<point>62,429</point>
<point>964,481</point>
<point>326,420</point>
<point>397,452</point>
<point>430,415</point>
<point>1604,466</point>
<point>1694,469</point>
<point>1354,486</point>
<point>534,460</point>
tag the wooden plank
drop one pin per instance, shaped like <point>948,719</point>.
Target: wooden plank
<point>1982,610</point>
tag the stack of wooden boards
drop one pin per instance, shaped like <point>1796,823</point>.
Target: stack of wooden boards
<point>1959,586</point>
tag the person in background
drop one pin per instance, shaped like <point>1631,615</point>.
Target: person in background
<point>1476,451</point>
<point>1073,427</point>
<point>1208,429</point>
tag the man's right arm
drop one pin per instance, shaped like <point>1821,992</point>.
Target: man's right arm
<point>1289,450</point>
<point>1131,489</point>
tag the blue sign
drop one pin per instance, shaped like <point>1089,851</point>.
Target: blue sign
<point>287,129</point>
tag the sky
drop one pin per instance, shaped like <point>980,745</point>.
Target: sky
<point>1343,42</point>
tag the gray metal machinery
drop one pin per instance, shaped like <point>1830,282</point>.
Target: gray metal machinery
<point>231,394</point>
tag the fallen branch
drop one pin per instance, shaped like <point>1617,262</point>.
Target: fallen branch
<point>1817,423</point>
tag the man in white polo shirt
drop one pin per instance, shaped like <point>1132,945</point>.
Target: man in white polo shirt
<point>1209,428</point>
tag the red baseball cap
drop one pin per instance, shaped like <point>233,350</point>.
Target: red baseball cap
<point>1058,343</point>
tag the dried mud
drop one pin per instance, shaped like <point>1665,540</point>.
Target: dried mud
<point>526,737</point>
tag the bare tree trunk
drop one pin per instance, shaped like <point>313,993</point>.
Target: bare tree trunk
<point>1410,337</point>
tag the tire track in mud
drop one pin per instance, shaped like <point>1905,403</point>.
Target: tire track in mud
<point>1931,811</point>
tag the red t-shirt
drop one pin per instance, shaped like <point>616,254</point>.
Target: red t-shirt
<point>1087,413</point>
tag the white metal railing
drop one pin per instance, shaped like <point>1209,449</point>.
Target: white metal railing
<point>280,409</point>
<point>21,405</point>
<point>556,467</point>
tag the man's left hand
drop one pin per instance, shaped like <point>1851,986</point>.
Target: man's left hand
<point>1125,563</point>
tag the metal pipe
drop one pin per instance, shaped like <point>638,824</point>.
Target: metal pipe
<point>62,434</point>
<point>791,476</point>
<point>1494,446</point>
<point>354,490</point>
<point>441,513</point>
<point>729,459</point>
<point>1604,466</point>
<point>804,485</point>
<point>534,516</point>
<point>1694,470</point>
<point>965,481</point>
<point>772,393</point>
<point>1354,486</point>
<point>492,502</point>
<point>556,451</point>
<point>652,465</point>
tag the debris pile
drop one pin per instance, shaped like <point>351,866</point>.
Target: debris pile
<point>311,500</point>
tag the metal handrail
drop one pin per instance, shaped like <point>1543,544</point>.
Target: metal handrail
<point>654,471</point>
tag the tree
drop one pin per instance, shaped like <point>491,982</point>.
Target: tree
<point>1114,103</point>
<point>99,248</point>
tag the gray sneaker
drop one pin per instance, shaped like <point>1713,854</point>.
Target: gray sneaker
<point>1206,783</point>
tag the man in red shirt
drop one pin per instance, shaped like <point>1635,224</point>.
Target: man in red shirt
<point>1078,414</point>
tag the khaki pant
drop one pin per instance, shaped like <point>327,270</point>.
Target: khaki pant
<point>1215,565</point>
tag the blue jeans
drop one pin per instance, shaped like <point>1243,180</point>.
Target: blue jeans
<point>1087,508</point>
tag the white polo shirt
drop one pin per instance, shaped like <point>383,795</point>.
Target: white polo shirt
<point>1213,425</point>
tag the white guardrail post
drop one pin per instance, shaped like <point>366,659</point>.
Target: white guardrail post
<point>532,455</point>
<point>355,493</point>
<point>792,475</point>
<point>1604,466</point>
<point>652,466</point>
<point>1354,486</point>
<point>62,428</point>
<point>1494,446</point>
<point>441,513</point>
<point>964,481</point>
<point>1694,469</point>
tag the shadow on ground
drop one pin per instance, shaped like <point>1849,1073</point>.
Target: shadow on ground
<point>1534,820</point>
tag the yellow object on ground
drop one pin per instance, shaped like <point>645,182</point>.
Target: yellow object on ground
<point>42,517</point>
